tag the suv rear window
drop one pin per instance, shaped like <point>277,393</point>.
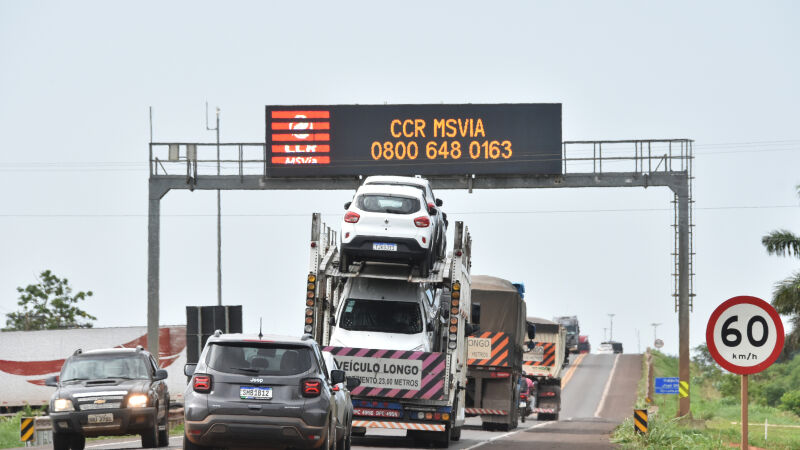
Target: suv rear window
<point>384,203</point>
<point>382,315</point>
<point>104,366</point>
<point>258,358</point>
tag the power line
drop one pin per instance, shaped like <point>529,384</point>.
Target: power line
<point>553,211</point>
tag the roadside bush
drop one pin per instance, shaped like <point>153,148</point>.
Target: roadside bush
<point>729,386</point>
<point>790,401</point>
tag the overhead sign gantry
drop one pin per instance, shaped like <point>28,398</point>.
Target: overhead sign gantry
<point>467,146</point>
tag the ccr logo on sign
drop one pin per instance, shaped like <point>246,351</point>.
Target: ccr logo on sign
<point>745,335</point>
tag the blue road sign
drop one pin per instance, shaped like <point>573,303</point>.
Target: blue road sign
<point>667,385</point>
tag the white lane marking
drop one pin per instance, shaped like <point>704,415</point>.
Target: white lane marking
<point>608,386</point>
<point>126,442</point>
<point>508,434</point>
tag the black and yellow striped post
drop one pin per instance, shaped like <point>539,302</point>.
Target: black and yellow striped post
<point>26,429</point>
<point>683,389</point>
<point>640,421</point>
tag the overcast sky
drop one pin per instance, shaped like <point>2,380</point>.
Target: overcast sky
<point>77,78</point>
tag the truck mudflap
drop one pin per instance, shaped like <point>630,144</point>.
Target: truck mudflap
<point>399,425</point>
<point>489,348</point>
<point>484,411</point>
<point>394,374</point>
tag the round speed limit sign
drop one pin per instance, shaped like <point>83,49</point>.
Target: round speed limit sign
<point>745,335</point>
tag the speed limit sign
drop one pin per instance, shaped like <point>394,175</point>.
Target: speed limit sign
<point>745,335</point>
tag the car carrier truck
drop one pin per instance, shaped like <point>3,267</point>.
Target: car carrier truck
<point>544,361</point>
<point>494,353</point>
<point>421,388</point>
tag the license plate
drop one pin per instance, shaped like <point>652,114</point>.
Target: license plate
<point>523,404</point>
<point>370,412</point>
<point>101,418</point>
<point>255,393</point>
<point>384,246</point>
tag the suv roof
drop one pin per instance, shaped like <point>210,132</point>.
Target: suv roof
<point>111,351</point>
<point>393,179</point>
<point>390,189</point>
<point>267,339</point>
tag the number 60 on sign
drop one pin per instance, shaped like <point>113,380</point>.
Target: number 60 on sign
<point>745,335</point>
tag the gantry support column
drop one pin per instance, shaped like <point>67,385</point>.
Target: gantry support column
<point>156,192</point>
<point>682,194</point>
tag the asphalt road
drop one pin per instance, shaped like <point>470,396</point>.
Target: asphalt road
<point>598,393</point>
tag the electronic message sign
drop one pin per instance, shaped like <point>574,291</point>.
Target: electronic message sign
<point>349,140</point>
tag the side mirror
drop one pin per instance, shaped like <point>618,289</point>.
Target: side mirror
<point>476,313</point>
<point>531,330</point>
<point>51,381</point>
<point>353,382</point>
<point>439,202</point>
<point>431,209</point>
<point>471,328</point>
<point>162,374</point>
<point>431,325</point>
<point>188,369</point>
<point>337,376</point>
<point>347,205</point>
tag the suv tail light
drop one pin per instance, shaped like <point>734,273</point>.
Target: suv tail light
<point>311,387</point>
<point>421,222</point>
<point>202,383</point>
<point>351,217</point>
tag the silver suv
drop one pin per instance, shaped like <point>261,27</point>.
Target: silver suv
<point>262,392</point>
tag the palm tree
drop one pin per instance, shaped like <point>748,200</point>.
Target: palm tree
<point>786,294</point>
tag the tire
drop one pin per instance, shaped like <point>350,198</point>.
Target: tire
<point>78,442</point>
<point>61,441</point>
<point>163,435</point>
<point>150,437</point>
<point>346,442</point>
<point>455,434</point>
<point>344,262</point>
<point>487,426</point>
<point>189,445</point>
<point>330,439</point>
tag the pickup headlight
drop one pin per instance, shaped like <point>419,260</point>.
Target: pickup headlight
<point>137,401</point>
<point>63,404</point>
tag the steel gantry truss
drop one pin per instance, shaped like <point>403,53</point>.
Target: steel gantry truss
<point>622,163</point>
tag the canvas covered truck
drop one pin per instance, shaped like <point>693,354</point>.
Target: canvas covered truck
<point>401,334</point>
<point>544,361</point>
<point>494,353</point>
<point>27,358</point>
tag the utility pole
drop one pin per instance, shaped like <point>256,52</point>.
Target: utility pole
<point>638,342</point>
<point>655,326</point>
<point>219,214</point>
<point>611,327</point>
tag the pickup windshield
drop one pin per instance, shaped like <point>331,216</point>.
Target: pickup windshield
<point>381,315</point>
<point>104,366</point>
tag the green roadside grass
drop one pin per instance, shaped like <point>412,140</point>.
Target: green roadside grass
<point>715,417</point>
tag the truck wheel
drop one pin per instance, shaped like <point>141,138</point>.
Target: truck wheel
<point>455,434</point>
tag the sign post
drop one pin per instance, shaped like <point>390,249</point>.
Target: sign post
<point>745,336</point>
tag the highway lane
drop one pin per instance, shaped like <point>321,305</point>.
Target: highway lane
<point>597,395</point>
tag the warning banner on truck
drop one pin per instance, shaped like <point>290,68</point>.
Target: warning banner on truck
<point>393,373</point>
<point>488,349</point>
<point>542,354</point>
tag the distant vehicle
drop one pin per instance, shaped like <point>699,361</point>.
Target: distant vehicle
<point>617,346</point>
<point>605,348</point>
<point>570,323</point>
<point>440,220</point>
<point>583,344</point>
<point>109,392</point>
<point>543,361</point>
<point>248,390</point>
<point>389,223</point>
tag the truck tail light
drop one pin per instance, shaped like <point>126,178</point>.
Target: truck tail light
<point>202,383</point>
<point>351,217</point>
<point>421,222</point>
<point>311,387</point>
<point>500,375</point>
